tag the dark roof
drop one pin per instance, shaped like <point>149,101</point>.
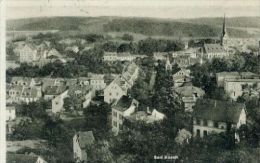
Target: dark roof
<point>124,103</point>
<point>85,138</point>
<point>54,90</point>
<point>20,158</point>
<point>221,111</point>
<point>213,48</point>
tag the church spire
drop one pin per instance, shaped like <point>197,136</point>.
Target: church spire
<point>224,35</point>
<point>224,26</point>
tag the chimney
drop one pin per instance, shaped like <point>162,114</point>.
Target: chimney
<point>148,110</point>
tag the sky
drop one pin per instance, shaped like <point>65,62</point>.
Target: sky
<point>132,8</point>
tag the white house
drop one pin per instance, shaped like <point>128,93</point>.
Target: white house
<point>222,76</point>
<point>115,90</point>
<point>58,101</point>
<point>120,85</point>
<point>10,113</point>
<point>236,87</point>
<point>122,108</point>
<point>81,142</point>
<point>217,116</point>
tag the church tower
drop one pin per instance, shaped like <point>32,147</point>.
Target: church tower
<point>224,36</point>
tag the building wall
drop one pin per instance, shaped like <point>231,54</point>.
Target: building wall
<point>77,153</point>
<point>10,114</point>
<point>57,102</point>
<point>98,84</point>
<point>207,126</point>
<point>234,88</point>
<point>113,92</point>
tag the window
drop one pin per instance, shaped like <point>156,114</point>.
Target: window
<point>198,132</point>
<point>120,117</point>
<point>115,123</point>
<point>120,127</point>
<point>110,94</point>
<point>194,121</point>
<point>205,133</point>
<point>216,124</point>
<point>205,122</point>
<point>114,114</point>
<point>117,94</point>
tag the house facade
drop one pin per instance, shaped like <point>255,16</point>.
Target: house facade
<point>122,108</point>
<point>236,87</point>
<point>10,113</point>
<point>81,142</point>
<point>58,101</point>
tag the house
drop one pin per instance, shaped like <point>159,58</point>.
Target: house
<point>189,95</point>
<point>181,77</point>
<point>97,81</point>
<point>83,93</point>
<point>30,94</point>
<point>221,76</point>
<point>115,90</point>
<point>23,81</point>
<point>160,56</point>
<point>19,94</point>
<point>236,87</point>
<point>53,91</point>
<point>184,61</point>
<point>83,81</point>
<point>120,85</point>
<point>211,51</point>
<point>125,106</point>
<point>46,82</point>
<point>10,113</point>
<point>58,101</point>
<point>27,53</point>
<point>217,116</point>
<point>23,158</point>
<point>70,82</point>
<point>74,49</point>
<point>13,93</point>
<point>147,117</point>
<point>82,141</point>
<point>110,56</point>
<point>113,56</point>
<point>191,53</point>
<point>130,73</point>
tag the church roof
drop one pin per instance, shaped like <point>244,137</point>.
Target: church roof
<point>213,48</point>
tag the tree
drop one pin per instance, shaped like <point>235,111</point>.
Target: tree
<point>127,37</point>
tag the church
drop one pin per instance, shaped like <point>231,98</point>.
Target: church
<point>211,51</point>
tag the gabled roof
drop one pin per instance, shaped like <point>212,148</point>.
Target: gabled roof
<point>85,139</point>
<point>23,79</point>
<point>213,48</point>
<point>20,158</point>
<point>188,91</point>
<point>54,90</point>
<point>220,111</point>
<point>79,90</point>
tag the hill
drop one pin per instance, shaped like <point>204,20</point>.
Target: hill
<point>200,27</point>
